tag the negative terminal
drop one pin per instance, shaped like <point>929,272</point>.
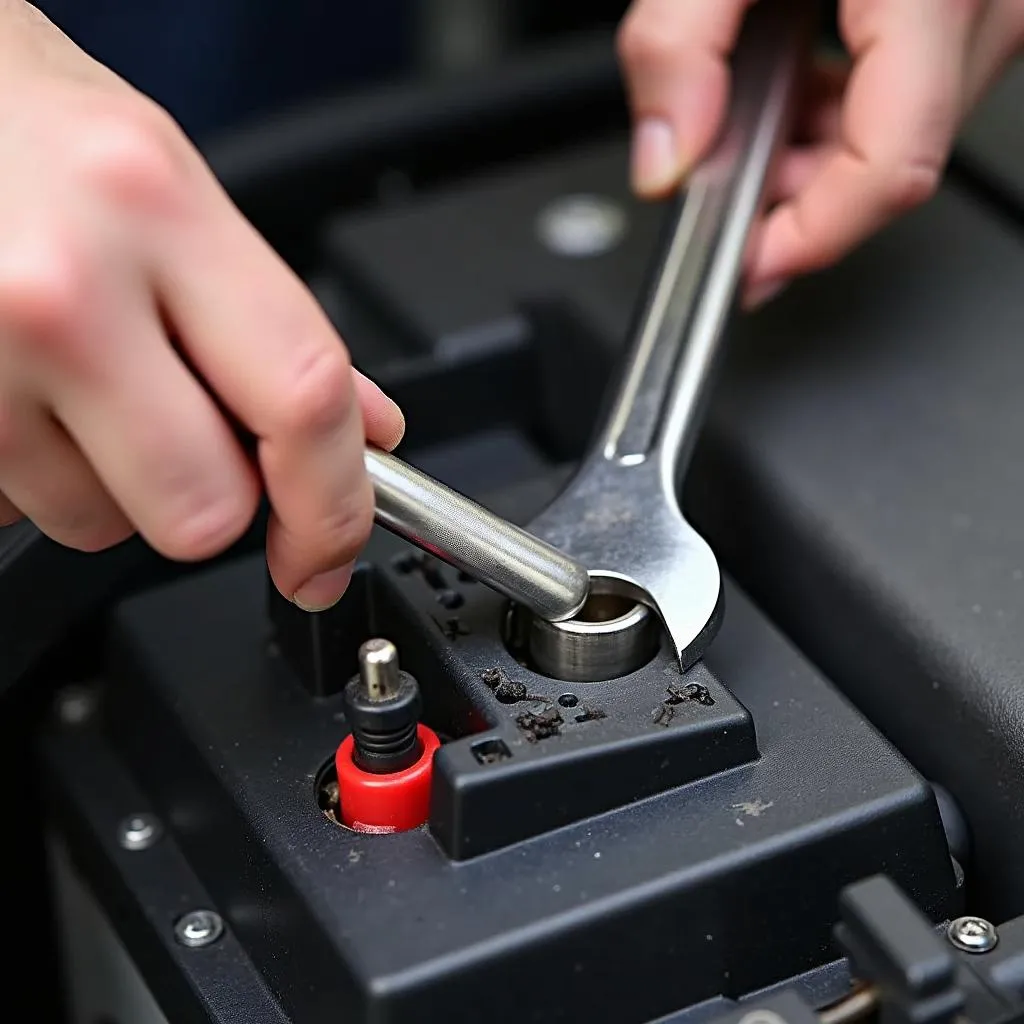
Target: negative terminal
<point>382,705</point>
<point>612,635</point>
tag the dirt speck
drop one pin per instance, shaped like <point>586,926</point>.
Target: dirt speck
<point>690,693</point>
<point>589,714</point>
<point>452,628</point>
<point>540,725</point>
<point>506,689</point>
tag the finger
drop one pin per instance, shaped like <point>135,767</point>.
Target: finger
<point>47,479</point>
<point>901,112</point>
<point>382,419</point>
<point>795,170</point>
<point>675,58</point>
<point>258,337</point>
<point>820,113</point>
<point>998,38</point>
<point>154,436</point>
<point>9,513</point>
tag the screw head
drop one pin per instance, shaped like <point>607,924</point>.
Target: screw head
<point>75,705</point>
<point>199,928</point>
<point>761,1016</point>
<point>973,934</point>
<point>139,831</point>
<point>581,225</point>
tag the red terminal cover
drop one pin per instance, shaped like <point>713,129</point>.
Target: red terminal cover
<point>386,803</point>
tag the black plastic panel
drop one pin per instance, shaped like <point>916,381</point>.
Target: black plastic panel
<point>227,745</point>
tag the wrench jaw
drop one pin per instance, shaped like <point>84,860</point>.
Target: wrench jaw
<point>620,526</point>
<point>689,599</point>
<point>683,586</point>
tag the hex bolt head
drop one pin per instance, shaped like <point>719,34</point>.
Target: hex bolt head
<point>75,705</point>
<point>199,928</point>
<point>139,831</point>
<point>972,934</point>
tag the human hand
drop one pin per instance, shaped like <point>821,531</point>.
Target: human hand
<point>874,134</point>
<point>116,239</point>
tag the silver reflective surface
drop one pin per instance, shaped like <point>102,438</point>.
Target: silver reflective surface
<point>612,636</point>
<point>620,515</point>
<point>468,536</point>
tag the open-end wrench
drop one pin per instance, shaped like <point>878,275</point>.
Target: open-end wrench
<point>620,514</point>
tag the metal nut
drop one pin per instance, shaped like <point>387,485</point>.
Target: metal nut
<point>973,934</point>
<point>139,831</point>
<point>199,928</point>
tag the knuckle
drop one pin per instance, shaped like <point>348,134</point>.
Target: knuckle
<point>44,290</point>
<point>135,155</point>
<point>317,396</point>
<point>647,37</point>
<point>206,530</point>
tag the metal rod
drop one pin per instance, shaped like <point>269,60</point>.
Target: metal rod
<point>466,535</point>
<point>677,336</point>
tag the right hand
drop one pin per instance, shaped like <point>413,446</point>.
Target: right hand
<point>116,238</point>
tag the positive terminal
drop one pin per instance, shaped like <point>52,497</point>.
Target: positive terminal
<point>378,669</point>
<point>382,705</point>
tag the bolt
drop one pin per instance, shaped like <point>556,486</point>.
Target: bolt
<point>139,831</point>
<point>199,928</point>
<point>75,704</point>
<point>761,1017</point>
<point>378,667</point>
<point>973,934</point>
<point>581,225</point>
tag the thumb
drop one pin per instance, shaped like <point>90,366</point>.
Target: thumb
<point>383,421</point>
<point>675,59</point>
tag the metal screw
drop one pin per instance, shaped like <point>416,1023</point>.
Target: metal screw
<point>139,831</point>
<point>199,928</point>
<point>581,225</point>
<point>973,934</point>
<point>762,1017</point>
<point>75,704</point>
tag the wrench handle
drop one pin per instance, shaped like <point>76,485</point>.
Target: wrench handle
<point>676,337</point>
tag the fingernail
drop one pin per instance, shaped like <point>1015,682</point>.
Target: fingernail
<point>323,591</point>
<point>656,164</point>
<point>761,294</point>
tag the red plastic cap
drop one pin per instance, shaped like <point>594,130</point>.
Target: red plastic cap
<point>386,803</point>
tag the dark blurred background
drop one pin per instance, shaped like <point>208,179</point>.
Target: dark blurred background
<point>214,63</point>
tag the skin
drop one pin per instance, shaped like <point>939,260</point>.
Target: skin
<point>132,291</point>
<point>117,238</point>
<point>874,135</point>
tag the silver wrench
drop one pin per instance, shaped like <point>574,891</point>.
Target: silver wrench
<point>620,514</point>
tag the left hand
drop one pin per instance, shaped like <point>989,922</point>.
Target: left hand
<point>874,134</point>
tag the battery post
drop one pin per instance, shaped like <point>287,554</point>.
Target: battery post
<point>384,765</point>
